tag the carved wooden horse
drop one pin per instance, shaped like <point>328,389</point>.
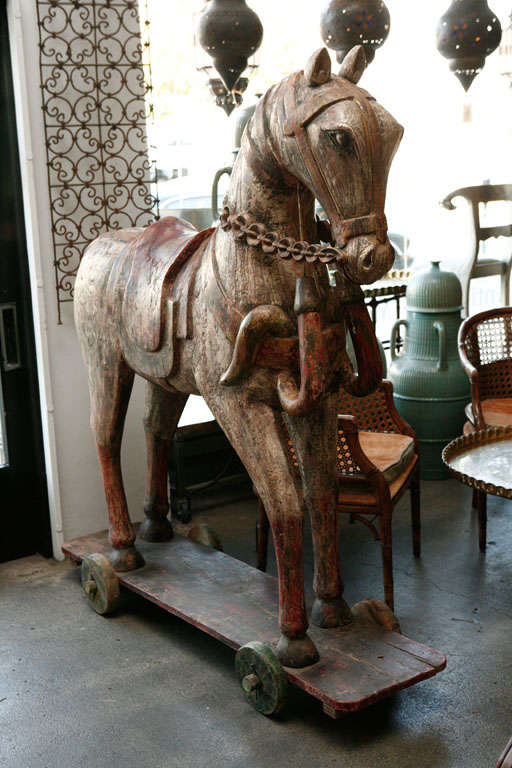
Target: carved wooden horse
<point>247,317</point>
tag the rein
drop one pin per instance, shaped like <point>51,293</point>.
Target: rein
<point>256,235</point>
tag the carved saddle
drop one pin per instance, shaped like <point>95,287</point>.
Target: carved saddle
<point>141,287</point>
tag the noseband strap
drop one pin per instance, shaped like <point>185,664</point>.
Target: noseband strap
<point>300,115</point>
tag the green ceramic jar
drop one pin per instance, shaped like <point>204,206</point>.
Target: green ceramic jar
<point>430,386</point>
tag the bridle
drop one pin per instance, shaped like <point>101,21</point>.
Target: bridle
<point>298,118</point>
<point>244,226</point>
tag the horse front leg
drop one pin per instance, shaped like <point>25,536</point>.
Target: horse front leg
<point>162,413</point>
<point>314,438</point>
<point>258,435</point>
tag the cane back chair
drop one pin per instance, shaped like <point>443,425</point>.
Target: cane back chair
<point>485,350</point>
<point>477,264</point>
<point>505,760</point>
<point>377,460</point>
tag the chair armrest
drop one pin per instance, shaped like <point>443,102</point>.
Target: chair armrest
<point>368,472</point>
<point>401,425</point>
<point>476,403</point>
<point>447,201</point>
<point>468,194</point>
<point>348,425</point>
<point>474,378</point>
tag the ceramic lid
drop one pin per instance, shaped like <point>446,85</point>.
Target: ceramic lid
<point>434,290</point>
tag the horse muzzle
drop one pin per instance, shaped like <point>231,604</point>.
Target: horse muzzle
<point>367,259</point>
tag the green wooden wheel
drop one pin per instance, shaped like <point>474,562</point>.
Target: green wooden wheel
<point>203,534</point>
<point>262,678</point>
<point>100,583</point>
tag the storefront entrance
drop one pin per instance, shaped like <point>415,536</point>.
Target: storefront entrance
<point>24,519</point>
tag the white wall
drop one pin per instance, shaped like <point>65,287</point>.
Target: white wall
<point>77,502</point>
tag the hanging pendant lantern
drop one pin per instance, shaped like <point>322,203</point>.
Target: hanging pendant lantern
<point>225,99</point>
<point>505,52</point>
<point>345,23</point>
<point>230,33</point>
<point>467,33</point>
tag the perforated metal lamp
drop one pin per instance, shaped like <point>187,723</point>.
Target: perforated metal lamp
<point>345,23</point>
<point>466,34</point>
<point>505,52</point>
<point>230,33</point>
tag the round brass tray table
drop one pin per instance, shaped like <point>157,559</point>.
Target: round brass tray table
<point>483,460</point>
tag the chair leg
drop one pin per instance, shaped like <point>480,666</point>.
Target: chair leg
<point>482,520</point>
<point>387,555</point>
<point>505,287</point>
<point>262,527</point>
<point>465,296</point>
<point>416,514</point>
<point>474,501</point>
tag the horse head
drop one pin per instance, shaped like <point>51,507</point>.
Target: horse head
<point>339,143</point>
<point>323,137</point>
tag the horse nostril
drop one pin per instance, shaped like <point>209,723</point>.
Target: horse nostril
<point>367,259</point>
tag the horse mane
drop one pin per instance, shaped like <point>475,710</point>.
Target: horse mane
<point>261,152</point>
<point>258,136</point>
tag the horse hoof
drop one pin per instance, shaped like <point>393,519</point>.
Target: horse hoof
<point>330,613</point>
<point>155,530</point>
<point>376,612</point>
<point>203,534</point>
<point>296,651</point>
<point>127,559</point>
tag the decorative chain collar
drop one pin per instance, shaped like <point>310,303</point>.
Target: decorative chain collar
<point>256,235</point>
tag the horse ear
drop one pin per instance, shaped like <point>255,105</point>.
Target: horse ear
<point>318,68</point>
<point>354,64</point>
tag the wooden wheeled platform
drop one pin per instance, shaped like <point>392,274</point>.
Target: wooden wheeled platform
<point>237,604</point>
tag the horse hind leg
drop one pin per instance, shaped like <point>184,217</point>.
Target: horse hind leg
<point>110,385</point>
<point>162,413</point>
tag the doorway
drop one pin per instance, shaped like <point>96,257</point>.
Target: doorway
<point>24,515</point>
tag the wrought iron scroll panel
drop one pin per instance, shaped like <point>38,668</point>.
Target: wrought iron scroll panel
<point>94,82</point>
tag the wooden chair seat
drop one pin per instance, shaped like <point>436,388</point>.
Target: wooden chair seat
<point>364,496</point>
<point>390,452</point>
<point>486,267</point>
<point>497,412</point>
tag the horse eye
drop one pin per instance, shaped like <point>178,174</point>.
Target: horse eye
<point>341,139</point>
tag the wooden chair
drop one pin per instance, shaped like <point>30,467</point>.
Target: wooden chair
<point>477,264</point>
<point>377,460</point>
<point>505,760</point>
<point>485,350</point>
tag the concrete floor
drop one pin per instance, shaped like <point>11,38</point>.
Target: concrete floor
<point>142,688</point>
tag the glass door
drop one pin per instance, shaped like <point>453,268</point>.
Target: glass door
<point>24,519</point>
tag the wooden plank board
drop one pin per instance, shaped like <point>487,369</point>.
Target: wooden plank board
<point>236,603</point>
